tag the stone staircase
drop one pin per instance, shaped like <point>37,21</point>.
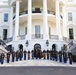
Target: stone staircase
<point>38,62</point>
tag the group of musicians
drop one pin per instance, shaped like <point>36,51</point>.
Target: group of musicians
<point>38,54</point>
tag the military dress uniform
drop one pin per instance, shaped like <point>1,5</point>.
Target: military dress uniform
<point>2,58</point>
<point>13,56</point>
<point>53,55</point>
<point>8,57</point>
<point>40,54</point>
<point>36,54</point>
<point>64,57</point>
<point>47,54</point>
<point>17,55</point>
<point>25,55</point>
<point>44,54</point>
<point>20,54</point>
<point>70,58</point>
<point>56,56</point>
<point>28,55</point>
<point>32,54</point>
<point>50,55</point>
<point>60,56</point>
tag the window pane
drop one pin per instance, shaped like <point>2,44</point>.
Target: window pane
<point>71,33</point>
<point>49,30</point>
<point>4,34</point>
<point>69,16</point>
<point>37,31</point>
<point>25,30</point>
<point>5,17</point>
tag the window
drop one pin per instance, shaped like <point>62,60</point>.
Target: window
<point>70,16</point>
<point>71,33</point>
<point>37,31</point>
<point>6,17</point>
<point>25,30</point>
<point>49,30</point>
<point>4,34</point>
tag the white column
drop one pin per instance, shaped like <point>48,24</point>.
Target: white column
<point>45,21</point>
<point>58,27</point>
<point>17,20</point>
<point>64,22</point>
<point>29,20</point>
<point>11,23</point>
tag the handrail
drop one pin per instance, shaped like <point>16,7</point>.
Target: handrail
<point>8,40</point>
<point>37,36</point>
<point>54,37</point>
<point>21,37</point>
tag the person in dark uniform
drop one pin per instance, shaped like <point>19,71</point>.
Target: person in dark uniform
<point>25,55</point>
<point>44,54</point>
<point>13,56</point>
<point>53,55</point>
<point>70,58</point>
<point>2,58</point>
<point>28,55</point>
<point>47,54</point>
<point>17,55</point>
<point>8,57</point>
<point>40,54</point>
<point>56,56</point>
<point>20,54</point>
<point>60,56</point>
<point>32,54</point>
<point>36,54</point>
<point>64,57</point>
<point>50,55</point>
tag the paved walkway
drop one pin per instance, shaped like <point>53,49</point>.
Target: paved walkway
<point>38,62</point>
<point>40,70</point>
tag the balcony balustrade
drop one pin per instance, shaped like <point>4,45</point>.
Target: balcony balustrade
<point>37,36</point>
<point>8,40</point>
<point>53,37</point>
<point>21,37</point>
<point>37,11</point>
<point>66,39</point>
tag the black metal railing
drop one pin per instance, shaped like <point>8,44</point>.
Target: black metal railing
<point>66,39</point>
<point>73,50</point>
<point>8,40</point>
<point>21,37</point>
<point>3,43</point>
<point>37,36</point>
<point>53,37</point>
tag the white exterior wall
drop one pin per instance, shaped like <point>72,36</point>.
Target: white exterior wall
<point>4,25</point>
<point>71,24</point>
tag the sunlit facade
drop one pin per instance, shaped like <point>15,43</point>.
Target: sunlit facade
<point>32,22</point>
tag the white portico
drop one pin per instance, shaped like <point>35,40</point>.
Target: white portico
<point>37,21</point>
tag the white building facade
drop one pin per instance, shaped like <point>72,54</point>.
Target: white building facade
<point>71,18</point>
<point>34,22</point>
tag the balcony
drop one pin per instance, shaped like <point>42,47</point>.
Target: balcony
<point>55,37</point>
<point>37,36</point>
<point>37,11</point>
